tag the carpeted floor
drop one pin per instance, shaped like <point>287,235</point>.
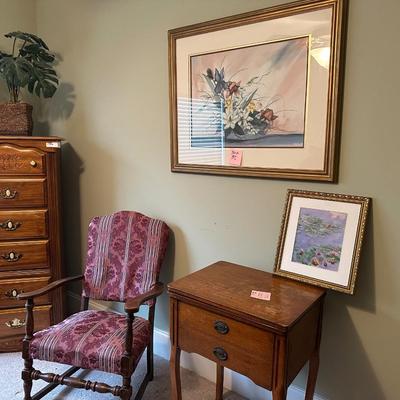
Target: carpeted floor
<point>193,386</point>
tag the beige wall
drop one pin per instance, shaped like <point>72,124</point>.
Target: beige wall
<point>113,111</point>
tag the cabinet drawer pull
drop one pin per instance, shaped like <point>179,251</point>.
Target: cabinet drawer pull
<point>33,163</point>
<point>10,225</point>
<point>8,194</point>
<point>220,353</point>
<point>12,256</point>
<point>221,327</point>
<point>16,323</point>
<point>13,293</point>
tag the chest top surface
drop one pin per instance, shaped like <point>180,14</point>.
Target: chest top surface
<point>228,286</point>
<point>11,144</point>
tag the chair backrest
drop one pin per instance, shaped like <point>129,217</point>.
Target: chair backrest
<point>124,255</point>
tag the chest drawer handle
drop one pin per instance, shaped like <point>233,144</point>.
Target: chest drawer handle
<point>221,327</point>
<point>10,225</point>
<point>15,323</point>
<point>13,293</point>
<point>220,353</point>
<point>8,194</point>
<point>12,256</point>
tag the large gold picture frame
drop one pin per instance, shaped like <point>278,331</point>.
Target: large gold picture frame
<point>321,237</point>
<point>259,94</point>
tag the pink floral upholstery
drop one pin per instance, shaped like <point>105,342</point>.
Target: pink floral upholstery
<point>125,252</point>
<point>90,339</point>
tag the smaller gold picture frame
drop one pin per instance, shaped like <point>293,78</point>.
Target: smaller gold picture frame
<point>321,238</point>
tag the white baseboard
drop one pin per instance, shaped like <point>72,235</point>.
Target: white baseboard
<point>162,345</point>
<point>205,368</point>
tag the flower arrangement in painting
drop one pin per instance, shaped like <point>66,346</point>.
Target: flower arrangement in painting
<point>244,117</point>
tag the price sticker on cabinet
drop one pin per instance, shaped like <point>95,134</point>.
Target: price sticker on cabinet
<point>53,144</point>
<point>256,294</point>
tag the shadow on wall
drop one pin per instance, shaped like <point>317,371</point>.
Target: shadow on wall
<point>72,168</point>
<point>364,295</point>
<point>100,193</point>
<point>57,109</point>
<point>342,349</point>
<point>177,259</point>
<point>166,276</point>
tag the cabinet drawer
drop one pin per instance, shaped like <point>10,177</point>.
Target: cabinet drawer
<point>23,255</point>
<point>22,193</point>
<point>19,161</point>
<point>12,322</point>
<point>23,224</point>
<point>235,345</point>
<point>11,288</point>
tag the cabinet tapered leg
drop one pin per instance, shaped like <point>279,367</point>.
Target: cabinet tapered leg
<point>176,391</point>
<point>279,393</point>
<point>279,387</point>
<point>312,376</point>
<point>314,361</point>
<point>220,383</point>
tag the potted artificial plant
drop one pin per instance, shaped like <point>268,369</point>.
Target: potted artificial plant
<point>29,65</point>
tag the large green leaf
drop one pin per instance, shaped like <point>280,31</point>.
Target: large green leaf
<point>43,82</point>
<point>28,37</point>
<point>16,71</point>
<point>2,54</point>
<point>34,52</point>
<point>32,67</point>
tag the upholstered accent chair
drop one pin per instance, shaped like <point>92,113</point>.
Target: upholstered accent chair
<point>124,257</point>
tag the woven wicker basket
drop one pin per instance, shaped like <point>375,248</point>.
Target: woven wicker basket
<point>16,119</point>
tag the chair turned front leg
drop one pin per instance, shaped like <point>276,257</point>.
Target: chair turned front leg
<point>126,388</point>
<point>28,361</point>
<point>150,361</point>
<point>26,376</point>
<point>150,351</point>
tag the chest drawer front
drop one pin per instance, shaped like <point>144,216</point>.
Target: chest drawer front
<point>235,345</point>
<point>23,255</point>
<point>19,161</point>
<point>12,322</point>
<point>23,224</point>
<point>11,288</point>
<point>22,193</point>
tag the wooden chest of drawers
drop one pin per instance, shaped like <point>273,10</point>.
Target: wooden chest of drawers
<point>212,314</point>
<point>30,241</point>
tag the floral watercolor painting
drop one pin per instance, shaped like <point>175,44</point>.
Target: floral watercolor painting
<point>319,238</point>
<point>260,91</point>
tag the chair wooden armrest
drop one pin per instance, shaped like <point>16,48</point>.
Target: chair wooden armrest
<point>51,286</point>
<point>133,305</point>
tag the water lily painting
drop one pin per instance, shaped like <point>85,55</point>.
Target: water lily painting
<point>260,91</point>
<point>319,238</point>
